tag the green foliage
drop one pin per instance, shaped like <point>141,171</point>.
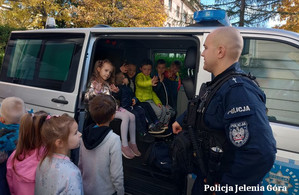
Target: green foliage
<point>169,58</point>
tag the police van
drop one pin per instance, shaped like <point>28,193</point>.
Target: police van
<point>50,68</point>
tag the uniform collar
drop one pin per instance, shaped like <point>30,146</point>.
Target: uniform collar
<point>233,68</point>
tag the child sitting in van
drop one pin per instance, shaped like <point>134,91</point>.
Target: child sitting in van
<point>131,76</point>
<point>161,90</point>
<point>100,158</point>
<point>144,92</point>
<point>56,174</point>
<point>102,81</point>
<point>11,111</point>
<point>151,118</point>
<point>128,101</point>
<point>22,163</point>
<point>173,82</point>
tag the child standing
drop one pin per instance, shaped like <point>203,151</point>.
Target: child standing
<point>102,81</point>
<point>11,111</point>
<point>145,93</point>
<point>100,154</point>
<point>22,163</point>
<point>56,174</point>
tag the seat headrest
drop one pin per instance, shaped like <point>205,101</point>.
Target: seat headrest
<point>190,59</point>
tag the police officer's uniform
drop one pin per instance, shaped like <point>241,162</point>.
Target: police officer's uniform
<point>238,107</point>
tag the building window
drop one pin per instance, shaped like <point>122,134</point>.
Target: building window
<point>170,5</point>
<point>178,11</point>
<point>184,17</point>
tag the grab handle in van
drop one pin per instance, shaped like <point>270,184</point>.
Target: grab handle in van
<point>60,101</point>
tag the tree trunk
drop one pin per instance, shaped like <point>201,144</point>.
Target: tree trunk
<point>242,13</point>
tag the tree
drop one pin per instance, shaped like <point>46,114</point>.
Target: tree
<point>247,12</point>
<point>119,13</point>
<point>33,14</point>
<point>288,11</point>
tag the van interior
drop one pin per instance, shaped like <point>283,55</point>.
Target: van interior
<point>139,177</point>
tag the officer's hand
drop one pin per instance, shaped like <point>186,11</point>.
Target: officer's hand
<point>2,120</point>
<point>176,128</point>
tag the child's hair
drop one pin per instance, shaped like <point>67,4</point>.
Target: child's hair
<point>161,61</point>
<point>55,127</point>
<point>119,77</point>
<point>101,108</point>
<point>12,109</point>
<point>29,134</point>
<point>146,62</point>
<point>96,75</point>
<point>176,63</point>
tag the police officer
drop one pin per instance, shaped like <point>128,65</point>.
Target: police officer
<point>237,108</point>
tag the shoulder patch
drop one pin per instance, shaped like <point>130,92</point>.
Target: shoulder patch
<point>235,80</point>
<point>239,110</point>
<point>238,133</point>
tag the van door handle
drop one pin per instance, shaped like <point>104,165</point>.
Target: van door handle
<point>60,101</point>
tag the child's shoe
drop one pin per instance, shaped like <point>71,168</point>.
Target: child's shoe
<point>127,152</point>
<point>134,149</point>
<point>156,129</point>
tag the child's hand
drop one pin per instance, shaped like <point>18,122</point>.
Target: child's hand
<point>159,105</point>
<point>154,81</point>
<point>97,86</point>
<point>126,81</point>
<point>114,88</point>
<point>133,102</point>
<point>161,77</point>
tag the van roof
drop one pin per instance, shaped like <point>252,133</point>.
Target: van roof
<point>164,30</point>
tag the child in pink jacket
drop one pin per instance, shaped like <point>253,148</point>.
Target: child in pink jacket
<point>22,163</point>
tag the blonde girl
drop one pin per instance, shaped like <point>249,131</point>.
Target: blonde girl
<point>22,163</point>
<point>102,81</point>
<point>56,174</point>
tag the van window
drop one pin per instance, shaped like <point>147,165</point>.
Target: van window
<point>276,66</point>
<point>43,60</point>
<point>169,58</point>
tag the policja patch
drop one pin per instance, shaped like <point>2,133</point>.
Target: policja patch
<point>238,133</point>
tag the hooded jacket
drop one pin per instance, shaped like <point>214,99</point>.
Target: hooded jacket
<point>22,179</point>
<point>100,161</point>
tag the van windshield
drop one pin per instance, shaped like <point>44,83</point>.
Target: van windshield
<point>43,60</point>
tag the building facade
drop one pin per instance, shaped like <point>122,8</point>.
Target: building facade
<point>180,12</point>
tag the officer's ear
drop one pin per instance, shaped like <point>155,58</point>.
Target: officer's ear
<point>221,51</point>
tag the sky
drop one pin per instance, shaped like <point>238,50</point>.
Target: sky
<point>271,22</point>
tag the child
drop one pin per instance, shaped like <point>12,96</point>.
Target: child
<point>56,174</point>
<point>161,89</point>
<point>100,154</point>
<point>128,101</point>
<point>152,120</point>
<point>11,110</point>
<point>22,163</point>
<point>145,93</point>
<point>102,82</point>
<point>131,76</point>
<point>173,82</point>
